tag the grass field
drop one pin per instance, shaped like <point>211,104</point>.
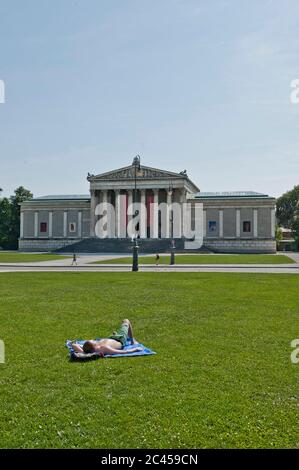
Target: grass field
<point>205,259</point>
<point>15,257</point>
<point>222,376</point>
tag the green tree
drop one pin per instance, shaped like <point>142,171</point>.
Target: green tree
<point>288,211</point>
<point>5,223</point>
<point>286,207</point>
<point>295,227</point>
<point>10,218</point>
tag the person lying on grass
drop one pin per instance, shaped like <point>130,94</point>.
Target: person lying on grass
<point>114,344</point>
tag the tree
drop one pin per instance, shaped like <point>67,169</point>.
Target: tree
<point>5,223</point>
<point>286,207</point>
<point>288,211</point>
<point>10,218</point>
<point>295,227</point>
<point>20,195</point>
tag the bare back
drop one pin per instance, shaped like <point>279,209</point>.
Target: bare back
<point>111,343</point>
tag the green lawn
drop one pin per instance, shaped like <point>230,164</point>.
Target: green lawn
<point>222,376</point>
<point>205,259</point>
<point>15,257</point>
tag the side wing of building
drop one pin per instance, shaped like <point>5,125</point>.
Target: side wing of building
<point>52,222</point>
<point>238,222</point>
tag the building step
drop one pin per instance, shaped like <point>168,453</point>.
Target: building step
<point>125,245</point>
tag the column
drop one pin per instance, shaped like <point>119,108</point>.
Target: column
<point>50,224</point>
<point>35,224</point>
<point>204,215</point>
<point>220,223</point>
<point>22,225</point>
<point>238,219</point>
<point>130,209</point>
<point>65,224</point>
<point>130,200</point>
<point>255,229</point>
<point>93,203</point>
<point>110,220</point>
<point>273,222</point>
<point>155,221</point>
<point>168,214</point>
<point>104,203</point>
<point>182,200</point>
<point>80,224</point>
<point>143,218</point>
<point>117,213</point>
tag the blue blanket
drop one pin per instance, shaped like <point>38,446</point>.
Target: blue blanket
<point>83,357</point>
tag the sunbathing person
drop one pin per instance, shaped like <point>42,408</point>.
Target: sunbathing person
<point>114,344</point>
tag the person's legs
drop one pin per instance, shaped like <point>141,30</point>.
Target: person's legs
<point>130,331</point>
<point>123,332</point>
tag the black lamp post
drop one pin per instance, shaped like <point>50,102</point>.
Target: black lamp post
<point>172,248</point>
<point>135,256</point>
<point>136,164</point>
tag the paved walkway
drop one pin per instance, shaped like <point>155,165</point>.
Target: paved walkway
<point>294,256</point>
<point>273,269</point>
<point>65,265</point>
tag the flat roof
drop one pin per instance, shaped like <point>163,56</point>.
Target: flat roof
<point>61,197</point>
<point>230,194</point>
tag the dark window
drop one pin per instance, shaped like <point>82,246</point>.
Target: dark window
<point>247,226</point>
<point>43,227</point>
<point>72,227</point>
<point>212,226</point>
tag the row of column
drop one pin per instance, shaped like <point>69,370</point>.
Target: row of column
<point>238,223</point>
<point>78,230</point>
<point>117,229</point>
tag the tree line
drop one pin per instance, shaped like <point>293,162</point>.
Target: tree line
<point>10,217</point>
<point>287,212</point>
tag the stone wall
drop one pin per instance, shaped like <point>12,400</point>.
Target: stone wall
<point>47,244</point>
<point>219,245</point>
<point>238,245</point>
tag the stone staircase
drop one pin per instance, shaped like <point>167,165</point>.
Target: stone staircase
<point>124,245</point>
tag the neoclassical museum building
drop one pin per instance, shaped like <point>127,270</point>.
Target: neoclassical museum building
<point>232,222</point>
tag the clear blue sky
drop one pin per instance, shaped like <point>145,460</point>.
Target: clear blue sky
<point>187,84</point>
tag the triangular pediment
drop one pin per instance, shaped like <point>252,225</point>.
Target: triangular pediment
<point>128,172</point>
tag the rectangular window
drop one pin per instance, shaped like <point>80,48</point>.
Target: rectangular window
<point>72,227</point>
<point>212,226</point>
<point>43,227</point>
<point>246,226</point>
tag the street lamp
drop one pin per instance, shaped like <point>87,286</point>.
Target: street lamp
<point>135,255</point>
<point>172,248</point>
<point>136,164</point>
<point>170,215</point>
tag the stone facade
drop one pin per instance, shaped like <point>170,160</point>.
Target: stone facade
<point>232,222</point>
<point>241,246</point>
